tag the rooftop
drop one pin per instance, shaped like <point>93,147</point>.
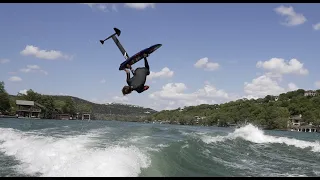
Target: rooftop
<point>298,117</point>
<point>41,106</point>
<point>25,103</point>
<point>310,91</point>
<point>308,126</point>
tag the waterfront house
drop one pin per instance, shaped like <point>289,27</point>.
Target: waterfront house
<point>310,93</point>
<point>28,109</point>
<point>295,121</point>
<point>86,116</point>
<point>63,116</point>
<point>308,128</point>
<point>77,116</point>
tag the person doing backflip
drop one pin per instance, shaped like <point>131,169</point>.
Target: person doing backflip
<point>138,80</point>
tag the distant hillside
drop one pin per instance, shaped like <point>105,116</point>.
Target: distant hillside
<point>113,111</point>
<point>272,112</point>
<point>114,108</point>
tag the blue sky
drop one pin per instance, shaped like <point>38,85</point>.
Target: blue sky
<point>211,53</point>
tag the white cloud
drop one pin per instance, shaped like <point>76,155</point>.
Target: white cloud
<point>24,91</point>
<point>122,99</point>
<point>101,6</point>
<point>164,73</point>
<point>316,26</point>
<point>173,95</point>
<point>265,85</point>
<point>90,4</point>
<point>99,101</point>
<point>58,94</point>
<point>15,79</point>
<point>204,63</point>
<point>3,61</point>
<point>33,68</point>
<point>249,97</point>
<point>171,91</point>
<point>140,6</point>
<point>114,7</point>
<point>43,54</point>
<point>44,72</point>
<point>317,84</point>
<point>114,99</point>
<point>269,83</point>
<point>262,86</point>
<point>292,87</point>
<point>273,75</point>
<point>95,100</point>
<point>291,17</point>
<point>103,81</point>
<point>280,66</point>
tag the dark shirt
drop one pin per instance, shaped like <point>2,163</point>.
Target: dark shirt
<point>139,79</point>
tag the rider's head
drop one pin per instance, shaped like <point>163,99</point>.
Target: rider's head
<point>126,90</point>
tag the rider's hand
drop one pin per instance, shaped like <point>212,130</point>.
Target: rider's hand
<point>129,66</point>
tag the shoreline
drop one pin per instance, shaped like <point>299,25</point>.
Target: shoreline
<point>234,127</point>
<point>7,116</point>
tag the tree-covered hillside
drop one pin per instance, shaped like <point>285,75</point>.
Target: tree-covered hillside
<point>271,112</point>
<point>114,108</point>
<point>72,105</point>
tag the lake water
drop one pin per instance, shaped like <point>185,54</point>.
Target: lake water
<point>111,148</point>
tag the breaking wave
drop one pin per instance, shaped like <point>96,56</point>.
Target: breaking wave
<point>71,156</point>
<point>255,135</point>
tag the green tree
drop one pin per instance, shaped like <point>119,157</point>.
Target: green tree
<point>13,105</point>
<point>276,117</point>
<point>48,103</point>
<point>30,96</point>
<point>2,89</point>
<point>69,107</point>
<point>4,99</point>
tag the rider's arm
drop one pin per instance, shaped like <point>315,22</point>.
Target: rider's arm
<point>131,69</point>
<point>146,64</point>
<point>128,74</point>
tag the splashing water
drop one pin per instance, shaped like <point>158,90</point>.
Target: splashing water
<point>255,135</point>
<point>70,156</point>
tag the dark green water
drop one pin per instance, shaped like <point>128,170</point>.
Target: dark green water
<point>110,148</point>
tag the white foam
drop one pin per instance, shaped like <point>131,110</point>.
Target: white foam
<point>157,148</point>
<point>209,139</point>
<point>162,145</point>
<point>193,134</point>
<point>138,138</point>
<point>153,149</point>
<point>70,156</point>
<point>287,175</point>
<point>185,146</point>
<point>316,172</point>
<point>255,135</point>
<point>184,133</point>
<point>206,152</point>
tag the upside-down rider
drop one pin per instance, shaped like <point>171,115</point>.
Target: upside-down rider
<point>137,82</point>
